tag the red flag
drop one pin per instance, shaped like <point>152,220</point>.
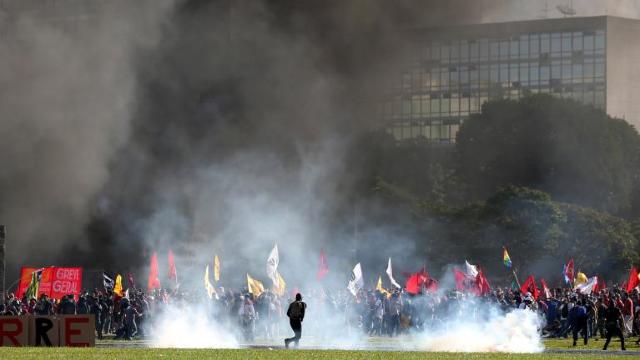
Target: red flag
<point>413,284</point>
<point>482,284</point>
<point>132,283</point>
<point>568,272</point>
<point>173,274</point>
<point>324,267</point>
<point>545,289</point>
<point>530,286</point>
<point>461,278</point>
<point>154,282</point>
<point>633,279</point>
<point>601,285</point>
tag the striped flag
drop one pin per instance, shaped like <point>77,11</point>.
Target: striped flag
<point>506,260</point>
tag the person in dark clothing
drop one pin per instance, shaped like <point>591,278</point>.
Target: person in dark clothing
<point>67,306</point>
<point>613,324</point>
<point>578,319</point>
<point>96,310</point>
<point>296,315</point>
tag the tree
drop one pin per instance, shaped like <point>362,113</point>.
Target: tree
<point>576,153</point>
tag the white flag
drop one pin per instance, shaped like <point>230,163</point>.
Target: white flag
<point>272,265</point>
<point>587,288</point>
<point>390,274</point>
<point>471,269</point>
<point>356,283</point>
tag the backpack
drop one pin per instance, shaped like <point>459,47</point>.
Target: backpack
<point>296,310</point>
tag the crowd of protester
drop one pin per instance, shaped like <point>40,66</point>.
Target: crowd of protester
<point>565,312</point>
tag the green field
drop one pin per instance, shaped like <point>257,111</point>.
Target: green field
<point>97,353</point>
<point>266,353</point>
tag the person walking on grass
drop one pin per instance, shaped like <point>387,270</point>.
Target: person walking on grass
<point>296,315</point>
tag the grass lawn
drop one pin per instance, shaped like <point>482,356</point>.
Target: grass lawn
<point>112,353</point>
<point>563,344</point>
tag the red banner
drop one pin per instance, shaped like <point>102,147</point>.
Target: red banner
<point>56,282</point>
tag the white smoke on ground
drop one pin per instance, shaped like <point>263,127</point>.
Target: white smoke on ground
<point>192,328</point>
<point>512,332</point>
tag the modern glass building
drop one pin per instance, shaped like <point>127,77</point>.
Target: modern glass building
<point>452,71</point>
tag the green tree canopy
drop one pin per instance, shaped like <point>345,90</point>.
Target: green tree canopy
<point>572,151</point>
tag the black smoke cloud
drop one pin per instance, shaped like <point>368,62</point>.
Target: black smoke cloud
<point>202,126</point>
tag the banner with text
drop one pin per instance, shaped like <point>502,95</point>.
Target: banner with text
<point>55,282</point>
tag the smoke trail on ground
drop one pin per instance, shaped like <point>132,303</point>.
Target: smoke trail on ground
<point>515,331</point>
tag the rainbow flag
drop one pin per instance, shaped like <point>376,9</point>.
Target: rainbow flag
<point>505,258</point>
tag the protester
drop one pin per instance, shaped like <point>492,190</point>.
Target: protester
<point>296,316</point>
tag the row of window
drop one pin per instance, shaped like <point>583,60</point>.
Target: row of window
<point>518,47</point>
<point>434,132</point>
<point>454,104</point>
<point>591,70</point>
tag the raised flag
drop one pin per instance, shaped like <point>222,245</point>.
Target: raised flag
<point>117,288</point>
<point>601,285</point>
<point>324,266</point>
<point>567,272</point>
<point>581,278</point>
<point>356,283</point>
<point>506,260</point>
<point>173,273</point>
<point>107,282</point>
<point>545,289</point>
<point>32,290</point>
<point>634,279</point>
<point>255,287</point>
<point>280,287</point>
<point>483,284</point>
<point>586,288</point>
<point>380,288</point>
<point>216,268</point>
<point>471,270</point>
<point>390,275</point>
<point>153,282</point>
<point>207,283</point>
<point>272,265</point>
<point>529,286</point>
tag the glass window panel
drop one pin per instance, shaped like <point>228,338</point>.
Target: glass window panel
<point>484,49</point>
<point>524,46</point>
<point>556,43</point>
<point>455,104</point>
<point>474,50</point>
<point>588,42</point>
<point>424,106</point>
<point>545,73</point>
<point>455,51</point>
<point>534,45</point>
<point>566,42</point>
<point>577,72</point>
<point>406,107</point>
<point>464,51</point>
<point>464,75</point>
<point>599,41</point>
<point>599,99</point>
<point>435,105</point>
<point>566,71</point>
<point>533,73</point>
<point>504,49</point>
<point>504,73</point>
<point>524,73</point>
<point>464,105</point>
<point>444,106</point>
<point>494,76</point>
<point>513,72</point>
<point>577,41</point>
<point>494,50</point>
<point>588,70</point>
<point>514,49</point>
<point>599,70</point>
<point>545,43</point>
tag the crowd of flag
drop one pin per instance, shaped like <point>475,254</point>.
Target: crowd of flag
<point>468,278</point>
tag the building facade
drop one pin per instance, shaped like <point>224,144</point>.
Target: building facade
<point>452,71</point>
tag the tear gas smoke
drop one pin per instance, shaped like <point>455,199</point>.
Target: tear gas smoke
<point>190,327</point>
<point>516,331</point>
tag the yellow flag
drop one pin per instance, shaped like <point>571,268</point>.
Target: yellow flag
<point>255,287</point>
<point>380,288</point>
<point>117,288</point>
<point>581,278</point>
<point>280,287</point>
<point>216,268</point>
